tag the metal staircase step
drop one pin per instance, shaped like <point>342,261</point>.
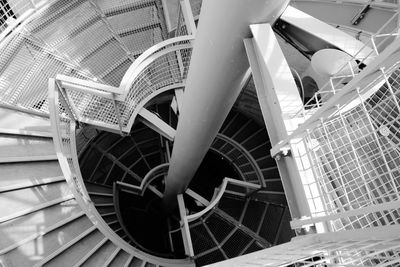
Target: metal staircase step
<point>31,173</point>
<point>27,124</point>
<point>47,246</point>
<point>101,255</point>
<point>24,201</point>
<point>23,229</point>
<point>13,146</point>
<point>78,252</point>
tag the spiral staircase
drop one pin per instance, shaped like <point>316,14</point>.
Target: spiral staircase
<point>90,95</point>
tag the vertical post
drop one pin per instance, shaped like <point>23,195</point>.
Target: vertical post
<point>278,96</point>
<point>187,240</point>
<point>188,17</point>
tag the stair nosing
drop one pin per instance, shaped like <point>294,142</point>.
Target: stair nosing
<point>29,183</point>
<point>28,158</point>
<point>42,232</point>
<point>36,208</point>
<point>66,246</point>
<point>21,132</point>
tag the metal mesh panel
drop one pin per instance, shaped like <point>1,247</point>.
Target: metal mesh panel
<point>11,10</point>
<point>271,223</point>
<point>196,7</point>
<point>214,256</point>
<point>315,253</point>
<point>235,244</point>
<point>160,73</point>
<point>201,239</point>
<point>232,206</point>
<point>25,74</point>
<point>255,246</point>
<point>72,38</point>
<point>354,159</point>
<point>254,214</point>
<point>218,226</point>
<point>140,38</point>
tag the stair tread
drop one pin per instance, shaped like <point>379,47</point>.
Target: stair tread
<point>50,243</point>
<point>12,146</point>
<point>17,202</point>
<point>24,227</point>
<point>78,251</point>
<point>13,174</point>
<point>101,255</point>
<point>120,259</point>
<point>17,120</point>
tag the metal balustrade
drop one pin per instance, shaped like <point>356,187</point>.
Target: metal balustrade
<point>63,130</point>
<point>349,156</point>
<point>186,20</point>
<point>189,219</point>
<point>161,68</point>
<point>241,159</point>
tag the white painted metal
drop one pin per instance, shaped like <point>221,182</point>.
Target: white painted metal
<point>218,197</point>
<point>346,248</point>
<point>187,240</point>
<point>156,123</point>
<point>40,233</point>
<point>268,84</point>
<point>67,156</point>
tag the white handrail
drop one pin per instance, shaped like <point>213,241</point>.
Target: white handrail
<point>128,79</point>
<point>218,197</point>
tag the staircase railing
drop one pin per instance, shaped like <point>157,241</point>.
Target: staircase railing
<point>347,152</point>
<point>186,218</point>
<point>242,160</point>
<point>161,68</point>
<point>63,128</point>
<point>361,247</point>
<point>186,21</point>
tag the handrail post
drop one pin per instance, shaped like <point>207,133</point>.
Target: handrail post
<point>188,17</point>
<point>187,240</point>
<point>118,114</point>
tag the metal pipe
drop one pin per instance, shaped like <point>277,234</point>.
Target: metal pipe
<point>216,73</point>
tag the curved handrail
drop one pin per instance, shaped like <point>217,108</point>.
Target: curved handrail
<point>162,67</point>
<point>63,129</point>
<point>218,197</point>
<point>243,152</point>
<point>128,77</point>
<point>116,192</point>
<point>148,178</point>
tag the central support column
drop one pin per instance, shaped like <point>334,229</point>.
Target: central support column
<point>217,68</point>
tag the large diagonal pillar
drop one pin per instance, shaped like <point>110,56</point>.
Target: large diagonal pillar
<point>217,68</point>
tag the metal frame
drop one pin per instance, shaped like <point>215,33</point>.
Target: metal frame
<point>63,129</point>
